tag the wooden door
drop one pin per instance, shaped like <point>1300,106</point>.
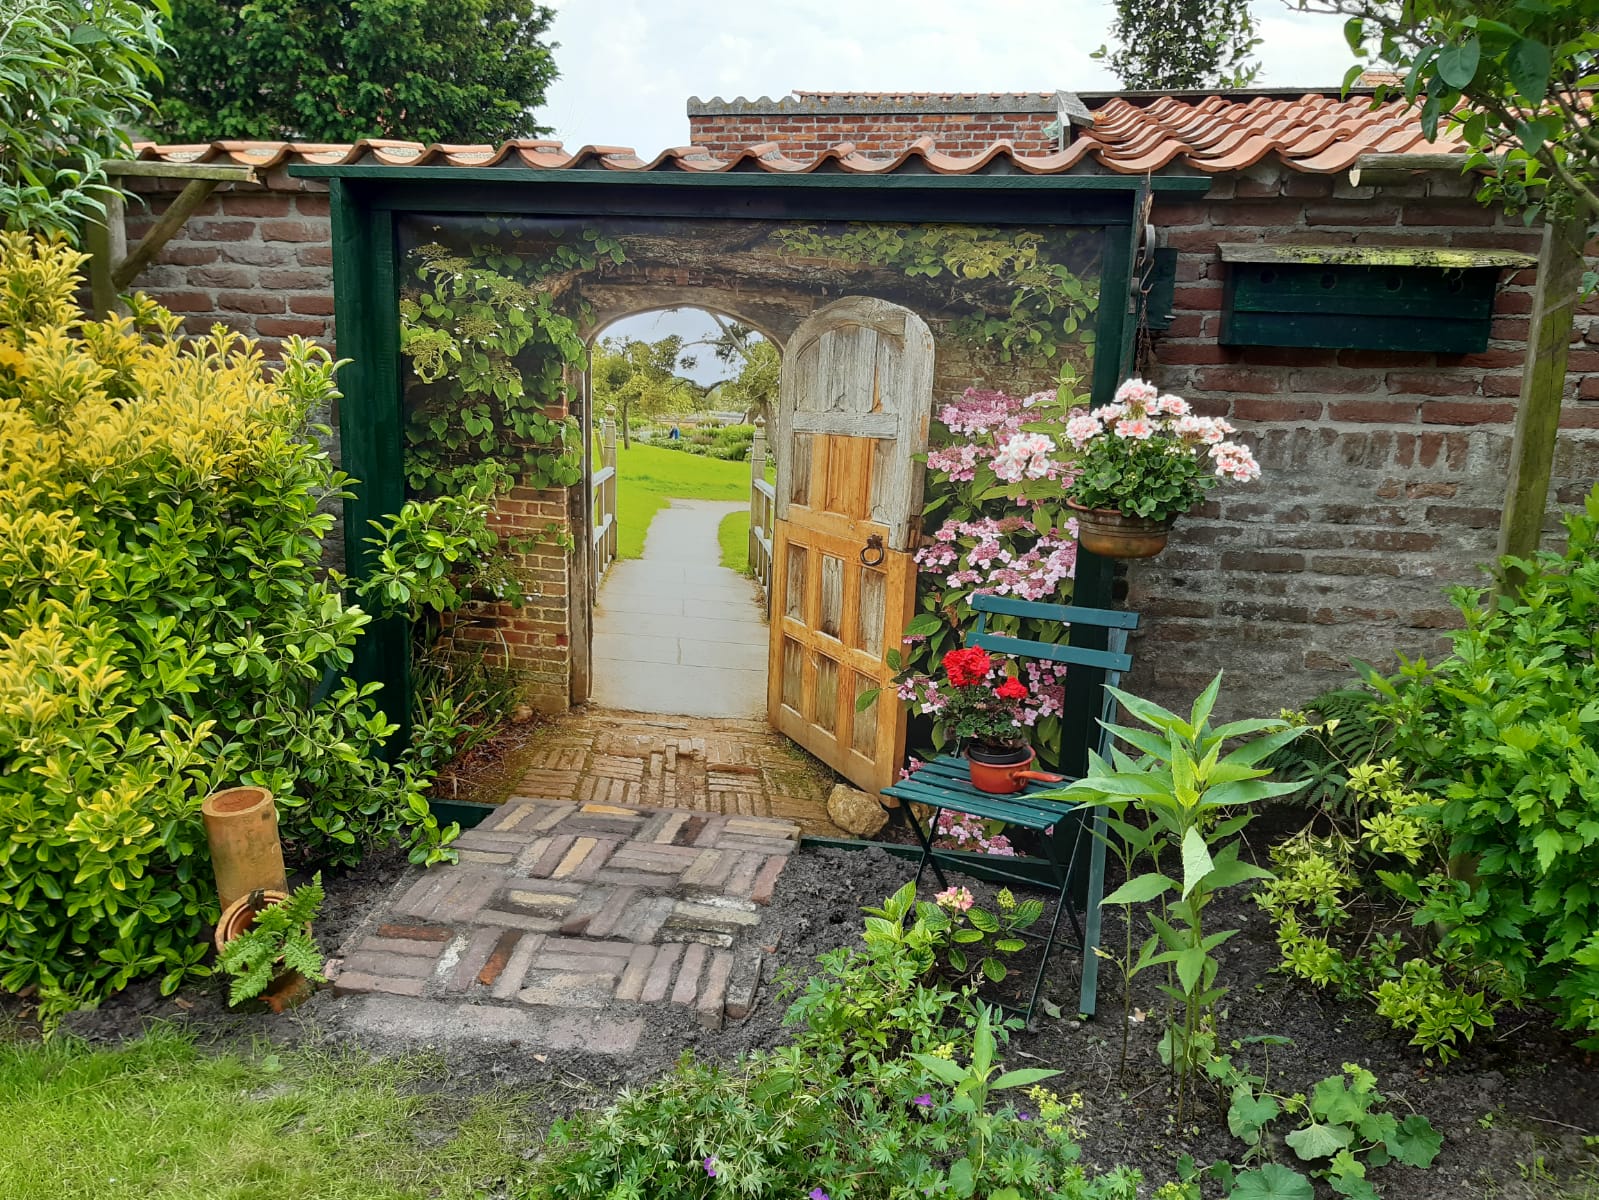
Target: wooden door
<point>851,419</point>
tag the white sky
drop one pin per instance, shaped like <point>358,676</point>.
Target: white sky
<point>628,67</point>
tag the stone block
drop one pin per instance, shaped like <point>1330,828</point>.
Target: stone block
<point>743,984</point>
<point>855,811</point>
<point>511,979</point>
<point>659,980</point>
<point>568,989</point>
<point>631,985</point>
<point>713,993</point>
<point>688,977</point>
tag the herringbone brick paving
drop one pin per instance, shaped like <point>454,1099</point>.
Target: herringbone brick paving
<point>560,905</point>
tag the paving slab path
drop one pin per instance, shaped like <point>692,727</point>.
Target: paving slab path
<point>563,921</point>
<point>675,631</point>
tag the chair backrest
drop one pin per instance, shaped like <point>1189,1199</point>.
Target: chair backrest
<point>1102,651</point>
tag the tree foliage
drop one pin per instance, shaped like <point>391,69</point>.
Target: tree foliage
<point>333,70</point>
<point>754,389</point>
<point>1514,77</point>
<point>73,76</point>
<point>640,379</point>
<point>1183,44</point>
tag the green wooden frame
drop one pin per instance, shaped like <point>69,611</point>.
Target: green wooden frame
<point>366,198</point>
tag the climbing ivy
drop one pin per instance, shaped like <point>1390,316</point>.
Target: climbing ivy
<point>484,335</point>
<point>1047,304</point>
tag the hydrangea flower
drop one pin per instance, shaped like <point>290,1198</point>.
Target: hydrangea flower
<point>955,899</point>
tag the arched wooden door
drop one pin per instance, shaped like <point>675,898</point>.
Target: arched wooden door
<point>852,417</point>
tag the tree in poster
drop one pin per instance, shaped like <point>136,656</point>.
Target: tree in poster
<point>333,71</point>
<point>1163,44</point>
<point>640,380</point>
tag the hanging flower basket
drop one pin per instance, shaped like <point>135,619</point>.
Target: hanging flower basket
<point>1142,462</point>
<point>1111,533</point>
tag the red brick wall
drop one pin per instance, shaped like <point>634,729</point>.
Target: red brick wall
<point>1384,473</point>
<point>804,135</point>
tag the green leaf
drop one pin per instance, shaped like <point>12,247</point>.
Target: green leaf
<point>1197,862</point>
<point>1457,66</point>
<point>1248,1113</point>
<point>1140,890</point>
<point>1272,1182</point>
<point>1528,65</point>
<point>1417,1143</point>
<point>1025,1077</point>
<point>1319,1140</point>
<point>962,1179</point>
<point>923,625</point>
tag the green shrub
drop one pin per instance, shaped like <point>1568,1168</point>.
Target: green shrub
<point>163,629</point>
<point>1503,737</point>
<point>75,78</point>
<point>892,1087</point>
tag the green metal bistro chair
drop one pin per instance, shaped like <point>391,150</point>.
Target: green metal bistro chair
<point>1075,864</point>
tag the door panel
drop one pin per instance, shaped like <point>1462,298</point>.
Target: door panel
<point>852,417</point>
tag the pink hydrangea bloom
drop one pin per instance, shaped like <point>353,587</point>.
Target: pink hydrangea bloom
<point>955,899</point>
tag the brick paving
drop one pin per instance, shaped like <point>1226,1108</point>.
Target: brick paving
<point>726,766</point>
<point>565,907</point>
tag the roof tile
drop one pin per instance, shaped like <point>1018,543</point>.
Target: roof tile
<point>1316,133</point>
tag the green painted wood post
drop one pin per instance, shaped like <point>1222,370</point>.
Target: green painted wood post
<point>1543,385</point>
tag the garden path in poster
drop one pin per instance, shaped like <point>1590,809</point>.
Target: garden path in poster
<point>675,631</point>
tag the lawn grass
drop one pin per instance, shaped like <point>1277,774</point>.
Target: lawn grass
<point>734,535</point>
<point>647,477</point>
<point>160,1118</point>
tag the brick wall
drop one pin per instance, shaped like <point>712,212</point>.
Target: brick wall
<point>1384,473</point>
<point>808,123</point>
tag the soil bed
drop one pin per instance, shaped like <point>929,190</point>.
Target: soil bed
<point>1521,1095</point>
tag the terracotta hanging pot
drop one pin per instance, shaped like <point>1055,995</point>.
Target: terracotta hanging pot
<point>288,988</point>
<point>1003,770</point>
<point>1111,533</point>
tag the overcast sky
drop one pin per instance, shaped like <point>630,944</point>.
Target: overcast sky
<point>628,67</point>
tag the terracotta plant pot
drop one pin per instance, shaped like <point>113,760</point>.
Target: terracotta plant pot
<point>1112,534</point>
<point>241,824</point>
<point>288,988</point>
<point>1003,770</point>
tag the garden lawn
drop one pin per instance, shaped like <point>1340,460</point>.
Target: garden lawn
<point>734,536</point>
<point>159,1118</point>
<point>647,477</point>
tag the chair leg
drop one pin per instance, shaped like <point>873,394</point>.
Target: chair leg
<point>927,846</point>
<point>1062,900</point>
<point>1088,996</point>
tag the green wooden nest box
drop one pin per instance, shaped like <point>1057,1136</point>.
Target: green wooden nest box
<point>1362,297</point>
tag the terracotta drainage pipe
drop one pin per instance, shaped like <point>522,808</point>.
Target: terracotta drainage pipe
<point>242,826</point>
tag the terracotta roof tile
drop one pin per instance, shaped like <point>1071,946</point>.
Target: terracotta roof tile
<point>1315,133</point>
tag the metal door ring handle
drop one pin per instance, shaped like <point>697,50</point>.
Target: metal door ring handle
<point>873,542</point>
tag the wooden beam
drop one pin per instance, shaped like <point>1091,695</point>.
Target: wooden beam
<point>107,243</point>
<point>145,168</point>
<point>1444,257</point>
<point>194,194</point>
<point>1543,385</point>
<point>1378,169</point>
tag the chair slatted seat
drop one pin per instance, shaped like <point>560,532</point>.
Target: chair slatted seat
<point>1074,868</point>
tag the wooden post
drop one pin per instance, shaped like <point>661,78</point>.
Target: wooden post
<point>757,509</point>
<point>1543,384</point>
<point>608,452</point>
<point>107,243</point>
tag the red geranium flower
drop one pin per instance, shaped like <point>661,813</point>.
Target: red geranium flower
<point>967,667</point>
<point>1011,689</point>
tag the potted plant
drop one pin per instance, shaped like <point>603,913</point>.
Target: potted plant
<point>981,705</point>
<point>264,944</point>
<point>1141,463</point>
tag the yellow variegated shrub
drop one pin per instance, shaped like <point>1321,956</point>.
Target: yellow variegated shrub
<point>163,628</point>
